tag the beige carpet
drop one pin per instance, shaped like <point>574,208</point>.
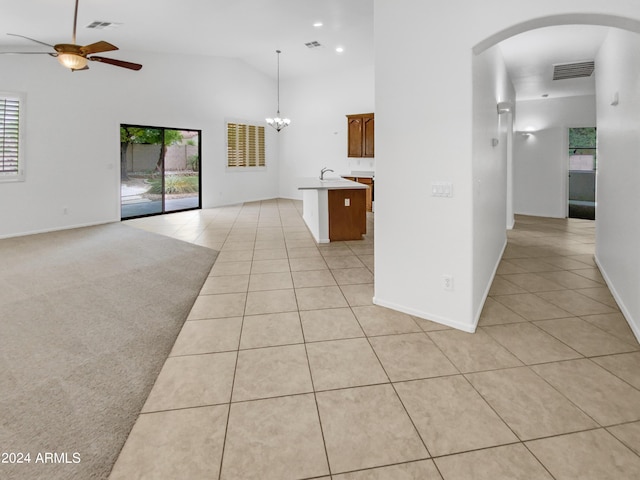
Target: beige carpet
<point>87,319</point>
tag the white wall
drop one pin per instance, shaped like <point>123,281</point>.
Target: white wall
<point>540,173</point>
<point>491,85</point>
<point>576,111</point>
<point>317,136</point>
<point>618,216</point>
<point>541,160</point>
<point>68,114</point>
<point>423,135</point>
<point>424,110</point>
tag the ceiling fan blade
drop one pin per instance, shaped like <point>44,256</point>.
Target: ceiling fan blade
<point>32,39</point>
<point>98,47</point>
<point>117,63</point>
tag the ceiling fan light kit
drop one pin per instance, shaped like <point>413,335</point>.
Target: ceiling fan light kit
<point>278,122</point>
<point>74,57</point>
<point>72,61</point>
<point>70,56</point>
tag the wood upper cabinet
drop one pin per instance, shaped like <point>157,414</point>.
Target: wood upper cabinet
<point>361,135</point>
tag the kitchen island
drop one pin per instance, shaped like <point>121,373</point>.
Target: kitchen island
<point>334,209</point>
<point>367,178</point>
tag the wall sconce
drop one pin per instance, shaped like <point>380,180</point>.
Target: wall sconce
<point>615,100</point>
<point>505,107</point>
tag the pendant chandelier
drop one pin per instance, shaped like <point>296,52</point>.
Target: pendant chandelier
<point>278,122</point>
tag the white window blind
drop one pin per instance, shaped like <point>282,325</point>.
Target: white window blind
<point>245,145</point>
<point>11,165</point>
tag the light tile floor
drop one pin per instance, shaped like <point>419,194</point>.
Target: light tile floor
<point>286,370</point>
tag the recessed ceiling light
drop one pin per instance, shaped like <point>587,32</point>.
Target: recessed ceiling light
<point>339,49</point>
<point>317,24</point>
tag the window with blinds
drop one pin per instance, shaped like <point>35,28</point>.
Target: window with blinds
<point>245,145</point>
<point>11,166</point>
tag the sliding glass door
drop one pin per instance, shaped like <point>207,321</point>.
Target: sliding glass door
<point>159,170</point>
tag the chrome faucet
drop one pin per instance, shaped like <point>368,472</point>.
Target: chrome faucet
<point>323,171</point>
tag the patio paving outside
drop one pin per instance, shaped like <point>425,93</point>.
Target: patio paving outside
<point>134,202</point>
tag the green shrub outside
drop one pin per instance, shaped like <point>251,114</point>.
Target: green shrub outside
<point>175,184</point>
<point>193,162</point>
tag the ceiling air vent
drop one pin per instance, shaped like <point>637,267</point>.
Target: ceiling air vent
<point>97,25</point>
<point>573,70</point>
<point>313,44</point>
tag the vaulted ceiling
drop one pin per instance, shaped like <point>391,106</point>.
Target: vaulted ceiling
<point>252,30</point>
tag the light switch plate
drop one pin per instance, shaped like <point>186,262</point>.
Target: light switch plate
<point>347,202</point>
<point>442,189</point>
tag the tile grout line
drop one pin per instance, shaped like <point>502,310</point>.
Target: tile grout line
<point>235,369</point>
<point>238,213</point>
<point>313,387</point>
<point>415,428</point>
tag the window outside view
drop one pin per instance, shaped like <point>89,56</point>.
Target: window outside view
<point>159,170</point>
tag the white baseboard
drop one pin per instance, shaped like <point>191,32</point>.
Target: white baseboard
<point>635,327</point>
<point>465,327</point>
<point>57,229</point>
<point>476,317</point>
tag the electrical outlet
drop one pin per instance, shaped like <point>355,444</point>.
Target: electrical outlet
<point>347,202</point>
<point>447,282</point>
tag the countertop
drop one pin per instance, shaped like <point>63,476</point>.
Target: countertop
<point>360,174</point>
<point>330,183</point>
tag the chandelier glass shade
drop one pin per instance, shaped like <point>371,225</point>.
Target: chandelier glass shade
<point>278,122</point>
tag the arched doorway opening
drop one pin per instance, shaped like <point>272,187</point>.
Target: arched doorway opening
<point>614,253</point>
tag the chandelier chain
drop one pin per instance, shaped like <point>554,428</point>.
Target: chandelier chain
<point>278,122</point>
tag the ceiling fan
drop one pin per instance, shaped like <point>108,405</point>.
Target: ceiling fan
<point>75,57</point>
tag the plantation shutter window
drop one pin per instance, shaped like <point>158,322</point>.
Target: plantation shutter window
<point>245,145</point>
<point>10,135</point>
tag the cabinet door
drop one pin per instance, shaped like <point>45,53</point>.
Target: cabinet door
<point>368,136</point>
<point>355,132</point>
<point>369,192</point>
<point>347,214</point>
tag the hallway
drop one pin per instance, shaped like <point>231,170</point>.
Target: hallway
<point>285,368</point>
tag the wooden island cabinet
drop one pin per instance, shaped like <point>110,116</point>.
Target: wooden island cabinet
<point>368,181</point>
<point>347,217</point>
<point>361,135</point>
<point>334,209</point>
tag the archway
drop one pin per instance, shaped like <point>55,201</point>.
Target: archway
<point>614,252</point>
<point>603,20</point>
<point>548,22</point>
